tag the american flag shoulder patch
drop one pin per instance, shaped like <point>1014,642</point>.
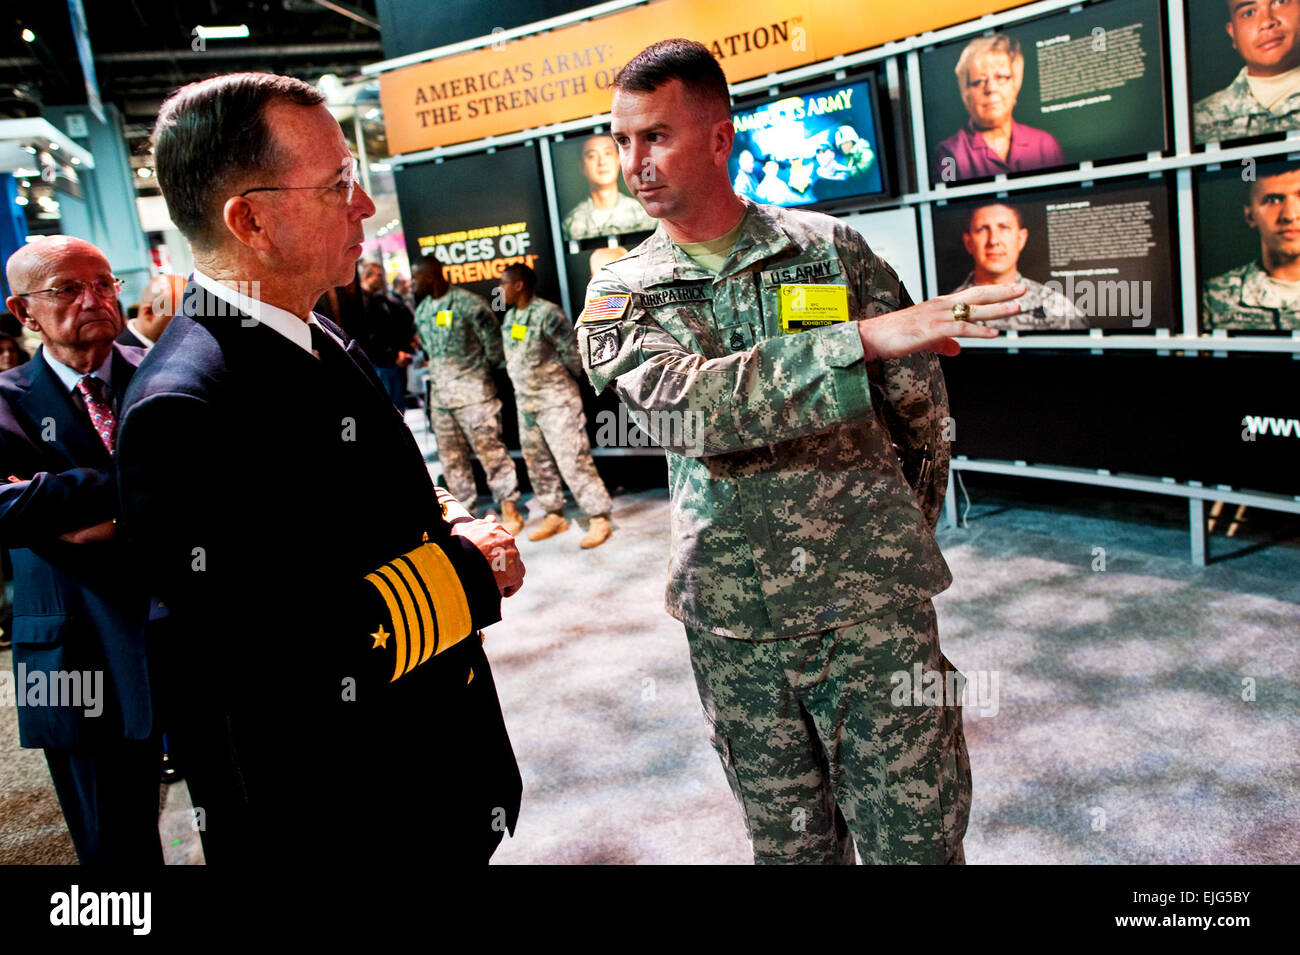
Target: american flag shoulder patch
<point>606,308</point>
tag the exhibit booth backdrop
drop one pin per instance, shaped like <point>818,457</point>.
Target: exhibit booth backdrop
<point>1117,231</point>
<point>1093,79</point>
<point>478,214</point>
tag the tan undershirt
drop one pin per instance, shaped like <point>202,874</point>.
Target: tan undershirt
<point>1272,90</point>
<point>710,255</point>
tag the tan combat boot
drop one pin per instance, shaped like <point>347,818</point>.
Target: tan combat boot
<point>552,524</point>
<point>598,532</point>
<point>511,518</point>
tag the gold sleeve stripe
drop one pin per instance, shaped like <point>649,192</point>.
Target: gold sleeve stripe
<point>452,509</point>
<point>409,617</point>
<point>395,614</point>
<point>423,602</point>
<point>450,604</point>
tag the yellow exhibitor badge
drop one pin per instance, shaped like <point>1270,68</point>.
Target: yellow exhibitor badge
<point>812,306</point>
<point>517,331</point>
<point>443,319</point>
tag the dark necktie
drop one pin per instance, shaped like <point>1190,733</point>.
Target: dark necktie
<point>100,405</point>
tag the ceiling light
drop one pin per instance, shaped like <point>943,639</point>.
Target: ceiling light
<point>76,161</point>
<point>223,33</point>
<point>380,167</point>
<point>28,35</point>
<point>54,146</point>
<point>20,200</point>
<point>144,172</point>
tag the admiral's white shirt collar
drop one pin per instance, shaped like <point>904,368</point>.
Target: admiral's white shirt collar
<point>286,323</point>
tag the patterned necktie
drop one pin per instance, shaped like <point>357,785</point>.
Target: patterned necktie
<point>99,404</point>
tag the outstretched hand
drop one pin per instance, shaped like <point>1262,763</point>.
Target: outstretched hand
<point>931,326</point>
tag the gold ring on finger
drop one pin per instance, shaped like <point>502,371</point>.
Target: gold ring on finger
<point>961,311</point>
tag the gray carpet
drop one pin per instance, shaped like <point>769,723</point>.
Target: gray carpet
<point>1120,733</point>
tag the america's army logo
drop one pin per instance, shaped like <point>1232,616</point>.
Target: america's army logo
<point>802,272</point>
<point>674,295</point>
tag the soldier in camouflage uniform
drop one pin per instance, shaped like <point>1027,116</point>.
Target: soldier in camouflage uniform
<point>617,213</point>
<point>1265,96</point>
<point>462,341</point>
<point>1263,295</point>
<point>542,359</point>
<point>806,470</point>
<point>995,236</point>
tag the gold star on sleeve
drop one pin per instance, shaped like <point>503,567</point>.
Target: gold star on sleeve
<point>381,638</point>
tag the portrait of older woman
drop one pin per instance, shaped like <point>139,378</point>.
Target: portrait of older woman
<point>989,75</point>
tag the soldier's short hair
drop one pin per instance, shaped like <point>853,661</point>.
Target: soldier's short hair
<point>212,135</point>
<point>997,43</point>
<point>1263,172</point>
<point>1020,223</point>
<point>678,59</point>
<point>521,273</point>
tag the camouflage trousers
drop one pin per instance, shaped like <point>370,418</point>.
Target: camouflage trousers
<point>821,752</point>
<point>481,423</point>
<point>555,445</point>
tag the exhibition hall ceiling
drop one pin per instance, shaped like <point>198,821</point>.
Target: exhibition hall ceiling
<point>144,49</point>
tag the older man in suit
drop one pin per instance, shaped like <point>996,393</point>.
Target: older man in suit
<point>288,518</point>
<point>80,611</point>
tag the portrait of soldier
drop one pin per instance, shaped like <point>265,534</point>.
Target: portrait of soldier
<point>606,211</point>
<point>1265,96</point>
<point>1263,294</point>
<point>994,238</point>
<point>856,152</point>
<point>990,72</point>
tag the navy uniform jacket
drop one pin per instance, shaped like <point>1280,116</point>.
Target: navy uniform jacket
<point>77,607</point>
<point>262,485</point>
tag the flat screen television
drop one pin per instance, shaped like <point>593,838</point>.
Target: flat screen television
<point>816,146</point>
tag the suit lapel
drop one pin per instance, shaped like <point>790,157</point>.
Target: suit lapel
<point>47,401</point>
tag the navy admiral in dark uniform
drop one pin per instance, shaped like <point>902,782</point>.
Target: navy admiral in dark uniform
<point>81,609</point>
<point>336,693</point>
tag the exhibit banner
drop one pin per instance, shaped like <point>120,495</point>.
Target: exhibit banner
<point>565,74</point>
<point>1096,257</point>
<point>477,215</point>
<point>891,234</point>
<point>1087,84</point>
<point>1248,243</point>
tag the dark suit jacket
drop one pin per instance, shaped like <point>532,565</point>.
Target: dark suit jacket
<point>129,337</point>
<point>76,606</point>
<point>261,485</point>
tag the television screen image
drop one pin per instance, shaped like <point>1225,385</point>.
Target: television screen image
<point>594,201</point>
<point>809,147</point>
<point>1052,92</point>
<point>1243,68</point>
<point>1248,240</point>
<point>1090,258</point>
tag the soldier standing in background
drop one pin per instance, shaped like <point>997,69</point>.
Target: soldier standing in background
<point>542,358</point>
<point>1265,96</point>
<point>803,556</point>
<point>462,341</point>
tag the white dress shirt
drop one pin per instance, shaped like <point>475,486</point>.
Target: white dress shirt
<point>286,323</point>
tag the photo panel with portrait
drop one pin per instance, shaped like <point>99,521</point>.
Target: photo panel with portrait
<point>1086,84</point>
<point>594,201</point>
<point>813,146</point>
<point>1243,68</point>
<point>1248,246</point>
<point>1096,257</point>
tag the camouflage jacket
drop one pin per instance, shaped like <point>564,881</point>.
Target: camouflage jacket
<point>462,341</point>
<point>583,222</point>
<point>805,482</point>
<point>541,356</point>
<point>1240,298</point>
<point>1040,308</point>
<point>1233,113</point>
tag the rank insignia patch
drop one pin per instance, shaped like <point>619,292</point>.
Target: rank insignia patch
<point>606,308</point>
